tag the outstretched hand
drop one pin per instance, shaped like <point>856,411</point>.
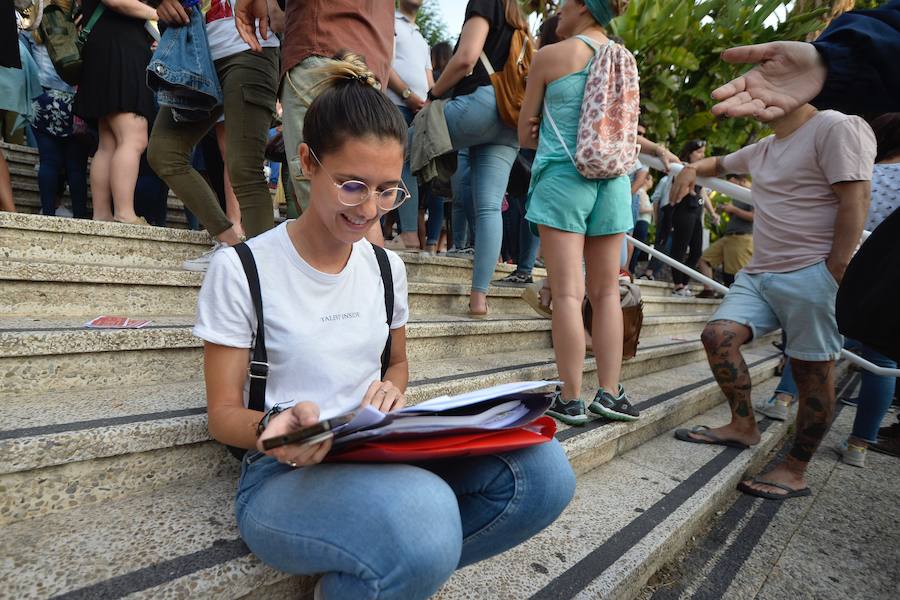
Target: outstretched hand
<point>786,75</point>
<point>246,14</point>
<point>682,184</point>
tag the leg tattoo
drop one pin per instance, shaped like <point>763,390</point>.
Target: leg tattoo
<point>815,385</point>
<point>722,340</point>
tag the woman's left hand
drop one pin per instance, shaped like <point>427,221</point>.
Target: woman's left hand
<point>384,396</point>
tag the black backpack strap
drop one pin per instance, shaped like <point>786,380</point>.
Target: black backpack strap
<point>259,361</point>
<point>387,279</point>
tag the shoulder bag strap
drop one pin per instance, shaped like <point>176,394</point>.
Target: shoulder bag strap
<point>485,61</point>
<point>82,38</point>
<point>558,134</point>
<point>387,279</point>
<point>259,361</point>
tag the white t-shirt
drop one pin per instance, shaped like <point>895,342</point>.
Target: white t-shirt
<point>412,58</point>
<point>221,31</point>
<point>324,333</point>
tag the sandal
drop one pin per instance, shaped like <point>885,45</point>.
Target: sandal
<point>711,439</point>
<point>791,492</point>
<point>535,295</point>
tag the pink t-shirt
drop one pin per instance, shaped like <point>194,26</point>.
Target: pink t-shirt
<point>795,207</point>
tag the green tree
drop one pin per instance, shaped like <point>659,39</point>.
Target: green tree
<point>431,23</point>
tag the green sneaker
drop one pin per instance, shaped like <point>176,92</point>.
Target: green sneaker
<point>617,407</point>
<point>570,413</point>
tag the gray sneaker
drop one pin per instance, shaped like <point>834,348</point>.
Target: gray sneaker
<point>201,263</point>
<point>617,407</point>
<point>570,413</point>
<point>851,455</point>
<point>774,408</point>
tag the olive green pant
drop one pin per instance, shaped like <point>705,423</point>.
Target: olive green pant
<point>250,84</point>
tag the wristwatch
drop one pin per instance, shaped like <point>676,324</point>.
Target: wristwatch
<point>264,422</point>
<point>406,93</point>
<point>431,96</point>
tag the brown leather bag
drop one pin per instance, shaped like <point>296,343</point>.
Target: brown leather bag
<point>632,317</point>
<point>509,84</point>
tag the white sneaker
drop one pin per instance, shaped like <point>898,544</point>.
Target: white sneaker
<point>852,455</point>
<point>774,408</point>
<point>684,292</point>
<point>201,263</point>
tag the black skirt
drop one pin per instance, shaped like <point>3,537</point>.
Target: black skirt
<point>114,74</point>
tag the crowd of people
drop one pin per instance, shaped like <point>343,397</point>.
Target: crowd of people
<point>381,134</point>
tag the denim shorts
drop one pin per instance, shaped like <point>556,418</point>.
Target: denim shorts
<point>801,302</point>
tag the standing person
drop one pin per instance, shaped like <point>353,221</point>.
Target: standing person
<point>644,219</point>
<point>474,123</point>
<point>662,215</point>
<point>687,221</point>
<point>811,186</point>
<point>408,83</point>
<point>314,31</point>
<point>580,221</point>
<point>59,151</point>
<point>113,92</point>
<point>9,59</point>
<point>735,248</point>
<point>249,83</point>
<point>360,525</point>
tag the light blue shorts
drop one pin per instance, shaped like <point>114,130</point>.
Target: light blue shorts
<point>800,302</point>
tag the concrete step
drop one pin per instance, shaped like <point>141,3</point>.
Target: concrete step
<point>180,540</point>
<point>71,447</point>
<point>79,290</point>
<point>45,355</point>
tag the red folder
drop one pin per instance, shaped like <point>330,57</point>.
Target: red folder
<point>456,445</point>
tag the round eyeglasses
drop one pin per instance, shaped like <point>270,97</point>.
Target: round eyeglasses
<point>355,192</point>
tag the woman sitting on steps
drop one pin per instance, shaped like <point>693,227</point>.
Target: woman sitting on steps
<point>373,530</point>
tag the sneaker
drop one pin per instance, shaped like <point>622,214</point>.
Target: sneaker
<point>648,277</point>
<point>850,401</point>
<point>464,253</point>
<point>517,280</point>
<point>570,413</point>
<point>201,263</point>
<point>533,297</point>
<point>775,408</point>
<point>851,454</point>
<point>712,294</point>
<point>617,408</point>
<point>684,292</point>
<point>889,446</point>
<point>539,263</point>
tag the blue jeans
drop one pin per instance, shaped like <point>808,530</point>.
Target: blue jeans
<point>463,215</point>
<point>473,123</point>
<point>527,243</point>
<point>58,154</point>
<point>875,396</point>
<point>787,385</point>
<point>641,230</point>
<point>408,213</point>
<point>435,222</point>
<point>397,531</point>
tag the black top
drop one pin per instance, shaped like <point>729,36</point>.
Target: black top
<point>737,225</point>
<point>692,200</point>
<point>496,46</point>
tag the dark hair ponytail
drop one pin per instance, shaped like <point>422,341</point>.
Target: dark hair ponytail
<point>887,134</point>
<point>349,104</point>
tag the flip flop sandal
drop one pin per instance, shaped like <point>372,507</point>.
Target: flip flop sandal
<point>791,492</point>
<point>712,439</point>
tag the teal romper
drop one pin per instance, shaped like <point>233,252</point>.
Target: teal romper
<point>559,197</point>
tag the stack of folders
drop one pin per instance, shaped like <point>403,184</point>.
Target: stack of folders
<point>497,419</point>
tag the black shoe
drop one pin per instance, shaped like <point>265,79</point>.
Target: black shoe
<point>711,294</point>
<point>570,413</point>
<point>517,279</point>
<point>617,408</point>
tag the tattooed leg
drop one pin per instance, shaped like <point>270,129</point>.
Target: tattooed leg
<point>723,341</point>
<point>815,384</point>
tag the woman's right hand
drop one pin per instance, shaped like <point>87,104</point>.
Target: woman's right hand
<point>172,13</point>
<point>302,414</point>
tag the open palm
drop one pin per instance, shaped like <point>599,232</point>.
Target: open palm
<point>786,75</point>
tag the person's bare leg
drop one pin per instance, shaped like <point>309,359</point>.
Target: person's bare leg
<point>705,268</point>
<point>723,341</point>
<point>563,253</point>
<point>101,164</point>
<point>603,255</point>
<point>6,193</point>
<point>232,206</point>
<point>410,240</point>
<point>130,131</point>
<point>815,410</point>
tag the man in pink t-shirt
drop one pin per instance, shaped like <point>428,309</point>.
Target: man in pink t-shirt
<point>811,187</point>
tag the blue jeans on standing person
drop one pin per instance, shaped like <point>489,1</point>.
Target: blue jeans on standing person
<point>876,393</point>
<point>435,222</point>
<point>463,215</point>
<point>474,123</point>
<point>527,243</point>
<point>397,531</point>
<point>641,230</point>
<point>408,213</point>
<point>58,154</point>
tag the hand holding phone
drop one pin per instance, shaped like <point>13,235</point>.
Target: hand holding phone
<point>301,416</point>
<point>308,435</point>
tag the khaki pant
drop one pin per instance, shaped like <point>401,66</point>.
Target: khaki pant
<point>250,84</point>
<point>732,252</point>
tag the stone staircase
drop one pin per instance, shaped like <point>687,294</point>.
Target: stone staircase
<point>111,486</point>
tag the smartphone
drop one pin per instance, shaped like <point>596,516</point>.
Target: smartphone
<point>308,435</point>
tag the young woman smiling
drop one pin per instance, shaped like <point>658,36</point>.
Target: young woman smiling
<point>373,530</point>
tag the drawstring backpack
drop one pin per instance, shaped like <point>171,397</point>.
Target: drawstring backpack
<point>607,131</point>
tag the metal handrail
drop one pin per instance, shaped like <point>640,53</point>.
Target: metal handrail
<point>742,194</point>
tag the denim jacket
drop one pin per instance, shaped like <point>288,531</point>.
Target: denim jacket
<point>182,73</point>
